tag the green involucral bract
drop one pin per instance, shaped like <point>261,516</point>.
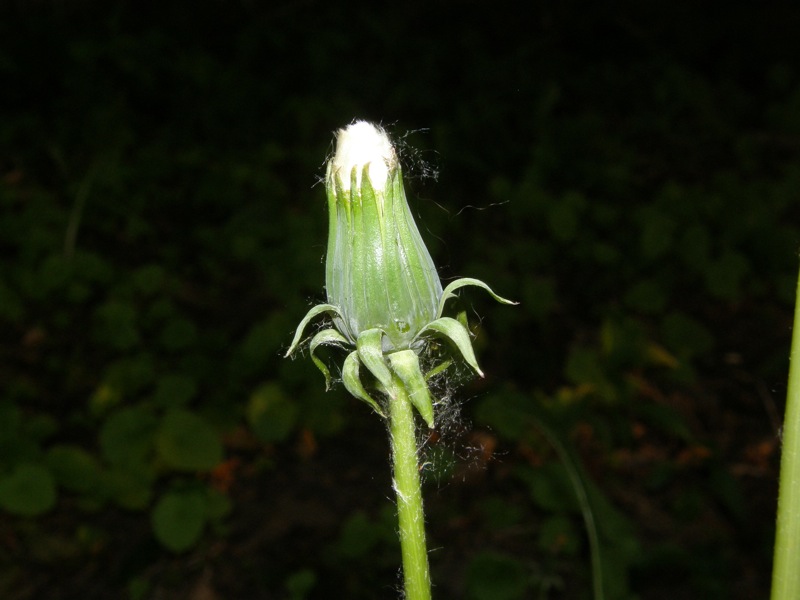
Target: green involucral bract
<point>385,298</point>
<point>378,272</point>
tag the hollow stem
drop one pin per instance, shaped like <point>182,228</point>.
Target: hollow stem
<point>785,572</point>
<point>409,495</point>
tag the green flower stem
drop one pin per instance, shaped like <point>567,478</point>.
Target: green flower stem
<point>409,494</point>
<point>786,571</point>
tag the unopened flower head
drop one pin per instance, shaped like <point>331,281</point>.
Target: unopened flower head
<point>379,272</point>
<point>384,294</point>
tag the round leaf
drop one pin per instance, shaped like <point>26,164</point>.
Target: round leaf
<point>29,490</point>
<point>127,436</point>
<point>271,415</point>
<point>187,442</point>
<point>75,469</point>
<point>178,519</point>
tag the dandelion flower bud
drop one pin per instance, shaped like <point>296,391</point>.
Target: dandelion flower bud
<point>378,271</point>
<point>384,295</point>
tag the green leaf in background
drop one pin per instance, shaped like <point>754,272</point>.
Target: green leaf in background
<point>539,296</point>
<point>185,441</point>
<point>131,486</point>
<point>728,491</point>
<point>623,343</point>
<point>126,437</point>
<point>494,576</point>
<point>244,246</point>
<point>138,588</point>
<point>148,279</point>
<point>271,414</point>
<point>686,336</point>
<point>17,444</point>
<point>17,449</point>
<point>75,469</point>
<point>178,334</point>
<point>54,273</point>
<point>11,306</point>
<point>665,419</point>
<point>323,413</point>
<point>116,325</point>
<point>358,536</point>
<point>29,490</point>
<point>585,367</point>
<point>300,583</point>
<point>500,512</point>
<point>173,391</point>
<point>218,505</point>
<point>10,419</point>
<point>604,254</point>
<point>725,274</point>
<point>268,334</point>
<point>178,519</point>
<point>550,487</point>
<point>656,233</point>
<point>565,214</point>
<point>646,296</point>
<point>508,414</point>
<point>104,398</point>
<point>694,247</point>
<point>559,535</point>
<point>39,427</point>
<point>132,374</point>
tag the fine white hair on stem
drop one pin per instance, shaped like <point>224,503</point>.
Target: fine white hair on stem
<point>401,497</point>
<point>361,144</point>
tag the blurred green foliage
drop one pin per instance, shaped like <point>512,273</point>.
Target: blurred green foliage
<point>161,233</point>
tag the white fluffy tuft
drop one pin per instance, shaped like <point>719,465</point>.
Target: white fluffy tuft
<point>360,144</point>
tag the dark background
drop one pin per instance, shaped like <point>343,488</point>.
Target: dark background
<point>627,171</point>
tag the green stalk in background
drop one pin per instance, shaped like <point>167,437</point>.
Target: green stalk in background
<point>386,304</point>
<point>786,567</point>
